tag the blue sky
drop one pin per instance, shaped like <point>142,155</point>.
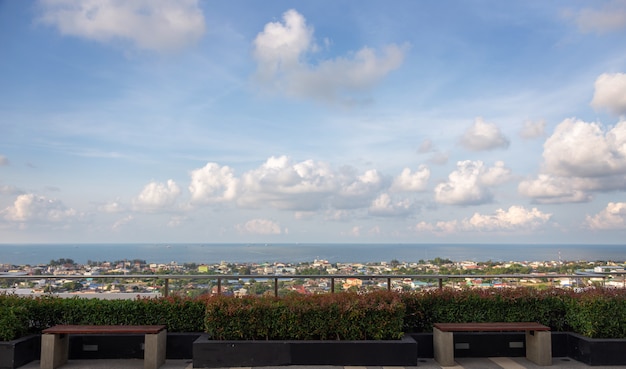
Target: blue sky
<point>320,121</point>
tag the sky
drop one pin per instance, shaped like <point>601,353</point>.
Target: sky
<point>312,121</point>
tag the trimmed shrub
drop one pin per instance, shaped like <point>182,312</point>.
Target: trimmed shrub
<point>342,316</point>
<point>599,313</point>
<point>547,307</point>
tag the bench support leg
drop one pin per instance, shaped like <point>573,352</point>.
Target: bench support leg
<point>443,346</point>
<point>539,347</point>
<point>154,350</point>
<point>54,350</point>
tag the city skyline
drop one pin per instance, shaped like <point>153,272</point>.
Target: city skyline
<point>332,121</point>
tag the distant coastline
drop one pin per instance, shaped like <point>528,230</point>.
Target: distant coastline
<point>22,254</point>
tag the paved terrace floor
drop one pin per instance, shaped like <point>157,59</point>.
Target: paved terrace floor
<point>461,363</point>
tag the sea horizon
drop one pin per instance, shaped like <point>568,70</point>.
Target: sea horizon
<point>209,253</point>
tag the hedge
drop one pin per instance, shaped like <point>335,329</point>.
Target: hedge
<point>595,313</point>
<point>342,316</point>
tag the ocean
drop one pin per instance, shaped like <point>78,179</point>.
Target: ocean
<point>33,254</point>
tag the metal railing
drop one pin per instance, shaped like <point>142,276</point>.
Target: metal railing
<point>220,278</point>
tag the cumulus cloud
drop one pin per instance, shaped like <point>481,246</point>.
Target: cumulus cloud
<point>285,185</point>
<point>610,93</point>
<point>384,206</point>
<point>610,17</point>
<point>483,136</point>
<point>158,25</point>
<point>213,184</point>
<point>411,182</point>
<point>260,227</point>
<point>282,50</point>
<point>581,149</point>
<point>547,189</point>
<point>515,218</point>
<point>356,192</point>
<point>579,158</point>
<point>533,129</point>
<point>157,195</point>
<point>471,183</point>
<point>611,217</point>
<point>37,209</point>
<point>3,161</point>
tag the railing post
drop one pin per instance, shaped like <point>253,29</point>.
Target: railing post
<point>219,285</point>
<point>166,289</point>
<point>332,285</point>
<point>388,283</point>
<point>440,283</point>
<point>275,287</point>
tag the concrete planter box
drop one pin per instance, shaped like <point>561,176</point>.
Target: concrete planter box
<point>597,351</point>
<point>208,353</point>
<point>21,351</point>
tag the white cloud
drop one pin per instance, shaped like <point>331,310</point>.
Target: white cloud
<point>547,189</point>
<point>121,223</point>
<point>112,207</point>
<point>470,183</point>
<point>483,136</point>
<point>579,158</point>
<point>411,182</point>
<point>213,184</point>
<point>157,195</point>
<point>3,161</point>
<point>159,25</point>
<point>384,206</point>
<point>34,208</point>
<point>282,49</point>
<point>288,186</point>
<point>611,217</point>
<point>533,129</point>
<point>356,192</point>
<point>580,149</point>
<point>259,226</point>
<point>610,93</point>
<point>611,17</point>
<point>515,218</point>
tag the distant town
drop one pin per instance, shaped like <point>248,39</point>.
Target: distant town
<point>66,277</point>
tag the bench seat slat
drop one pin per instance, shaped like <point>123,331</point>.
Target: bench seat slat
<point>104,329</point>
<point>490,327</point>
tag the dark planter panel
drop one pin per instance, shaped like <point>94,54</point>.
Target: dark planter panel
<point>180,345</point>
<point>21,351</point>
<point>366,353</point>
<point>597,351</point>
<point>214,354</point>
<point>106,346</point>
<point>211,354</point>
<point>127,346</point>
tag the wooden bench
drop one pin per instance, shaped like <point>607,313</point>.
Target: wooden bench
<point>55,342</point>
<point>538,339</point>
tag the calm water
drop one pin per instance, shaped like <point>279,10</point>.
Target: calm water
<point>20,254</point>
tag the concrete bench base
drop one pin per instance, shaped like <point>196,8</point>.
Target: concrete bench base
<point>538,339</point>
<point>55,342</point>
